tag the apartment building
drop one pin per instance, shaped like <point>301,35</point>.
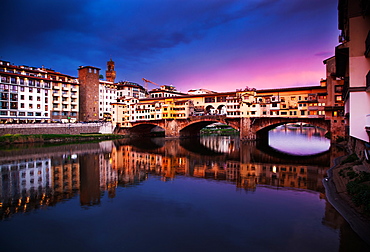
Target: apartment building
<point>107,95</point>
<point>30,94</point>
<point>65,98</point>
<point>352,58</point>
<point>130,89</point>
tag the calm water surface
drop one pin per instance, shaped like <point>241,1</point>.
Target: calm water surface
<point>207,194</point>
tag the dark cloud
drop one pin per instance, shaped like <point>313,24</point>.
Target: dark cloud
<point>64,34</point>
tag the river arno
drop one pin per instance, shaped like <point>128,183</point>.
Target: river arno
<point>207,194</point>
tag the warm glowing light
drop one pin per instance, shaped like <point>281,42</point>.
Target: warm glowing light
<point>274,169</point>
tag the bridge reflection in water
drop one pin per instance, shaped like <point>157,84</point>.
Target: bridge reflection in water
<point>39,177</point>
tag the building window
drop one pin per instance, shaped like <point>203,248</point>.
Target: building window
<point>338,98</point>
<point>338,89</point>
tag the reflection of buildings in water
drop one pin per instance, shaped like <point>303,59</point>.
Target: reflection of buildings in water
<point>22,183</point>
<point>45,181</point>
<point>30,183</point>
<point>220,144</point>
<point>132,166</point>
<point>108,175</point>
<point>131,163</point>
<point>307,131</point>
<point>66,176</point>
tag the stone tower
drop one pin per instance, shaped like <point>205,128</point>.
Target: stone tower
<point>110,74</point>
<point>88,77</point>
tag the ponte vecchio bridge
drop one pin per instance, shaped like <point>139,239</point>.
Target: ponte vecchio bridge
<point>249,128</point>
<point>252,112</point>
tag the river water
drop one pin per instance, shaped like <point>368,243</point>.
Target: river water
<point>206,194</point>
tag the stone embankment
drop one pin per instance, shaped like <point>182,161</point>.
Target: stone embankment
<point>56,128</point>
<point>336,193</point>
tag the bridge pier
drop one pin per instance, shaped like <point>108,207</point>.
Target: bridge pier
<point>172,128</point>
<point>246,130</point>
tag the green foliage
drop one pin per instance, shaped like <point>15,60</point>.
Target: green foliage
<point>351,174</point>
<point>17,138</point>
<point>349,159</point>
<point>359,189</point>
<point>219,131</point>
<point>339,139</point>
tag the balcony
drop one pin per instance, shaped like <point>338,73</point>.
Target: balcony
<point>368,122</point>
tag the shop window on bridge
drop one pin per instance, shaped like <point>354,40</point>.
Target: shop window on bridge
<point>303,112</point>
<point>274,105</point>
<point>221,99</point>
<point>209,99</point>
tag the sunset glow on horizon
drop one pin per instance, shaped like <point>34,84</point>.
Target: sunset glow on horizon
<point>220,45</point>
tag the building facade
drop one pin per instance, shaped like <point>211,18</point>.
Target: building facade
<point>353,64</point>
<point>88,77</point>
<point>30,94</point>
<point>298,102</point>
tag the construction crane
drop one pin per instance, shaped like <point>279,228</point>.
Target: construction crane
<point>148,81</point>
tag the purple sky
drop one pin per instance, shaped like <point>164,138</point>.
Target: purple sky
<point>221,45</point>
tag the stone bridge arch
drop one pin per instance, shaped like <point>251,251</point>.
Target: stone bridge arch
<point>143,128</point>
<point>259,127</point>
<point>195,124</point>
<point>181,127</point>
<point>249,128</point>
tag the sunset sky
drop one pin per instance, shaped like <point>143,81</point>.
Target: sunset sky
<point>221,45</point>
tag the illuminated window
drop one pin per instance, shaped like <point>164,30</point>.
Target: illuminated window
<point>338,98</point>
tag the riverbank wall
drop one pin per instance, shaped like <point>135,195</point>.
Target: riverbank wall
<point>56,128</point>
<point>336,193</point>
